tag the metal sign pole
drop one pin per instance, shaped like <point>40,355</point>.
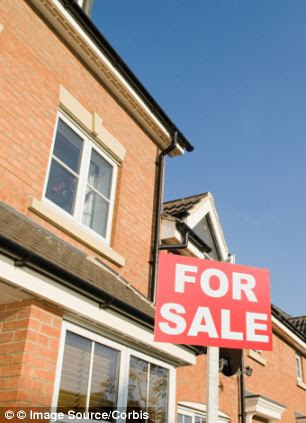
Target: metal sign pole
<point>212,384</point>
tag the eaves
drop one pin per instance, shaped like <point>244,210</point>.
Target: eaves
<point>85,40</point>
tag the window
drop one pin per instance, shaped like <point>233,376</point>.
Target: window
<point>96,375</point>
<point>184,417</point>
<point>299,372</point>
<point>148,388</point>
<point>81,179</point>
<point>89,375</point>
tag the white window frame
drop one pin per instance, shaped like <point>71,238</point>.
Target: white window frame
<point>192,414</point>
<point>124,368</point>
<point>89,144</point>
<point>299,368</point>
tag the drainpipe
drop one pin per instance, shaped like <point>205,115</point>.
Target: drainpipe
<point>242,391</point>
<point>159,206</point>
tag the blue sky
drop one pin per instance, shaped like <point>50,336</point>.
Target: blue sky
<point>232,76</point>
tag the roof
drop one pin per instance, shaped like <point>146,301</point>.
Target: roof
<point>294,324</point>
<point>182,206</point>
<point>96,36</point>
<point>282,312</point>
<point>300,323</point>
<point>24,239</point>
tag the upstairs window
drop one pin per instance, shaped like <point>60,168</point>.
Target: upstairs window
<point>299,371</point>
<point>81,178</point>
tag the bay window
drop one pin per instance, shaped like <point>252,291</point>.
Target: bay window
<point>96,374</point>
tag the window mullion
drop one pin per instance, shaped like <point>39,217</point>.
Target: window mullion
<point>80,198</point>
<point>90,374</point>
<point>123,383</point>
<point>148,386</point>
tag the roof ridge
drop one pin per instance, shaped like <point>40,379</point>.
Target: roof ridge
<point>187,198</point>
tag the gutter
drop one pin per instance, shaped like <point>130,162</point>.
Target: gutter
<point>201,245</point>
<point>25,257</point>
<point>287,323</point>
<point>94,33</point>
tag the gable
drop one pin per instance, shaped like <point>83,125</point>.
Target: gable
<point>204,231</point>
<point>199,215</point>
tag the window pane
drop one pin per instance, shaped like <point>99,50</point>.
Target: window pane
<point>75,371</point>
<point>298,366</point>
<point>148,390</point>
<point>95,212</point>
<point>199,419</point>
<point>68,146</point>
<point>105,374</point>
<point>61,187</point>
<point>100,174</point>
<point>183,418</point>
<point>158,393</point>
<point>137,390</point>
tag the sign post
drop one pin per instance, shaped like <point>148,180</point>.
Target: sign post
<point>212,384</point>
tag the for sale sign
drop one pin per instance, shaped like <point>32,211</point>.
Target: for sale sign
<point>209,303</point>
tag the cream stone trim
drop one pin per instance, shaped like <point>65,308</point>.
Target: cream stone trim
<point>257,357</point>
<point>92,122</point>
<point>57,218</point>
<point>104,137</point>
<point>301,384</point>
<point>54,12</point>
<point>73,107</point>
<point>1,27</point>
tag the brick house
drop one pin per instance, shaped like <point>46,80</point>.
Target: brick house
<point>80,138</point>
<point>80,175</point>
<point>276,388</point>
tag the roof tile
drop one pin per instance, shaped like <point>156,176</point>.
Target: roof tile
<point>182,206</point>
<point>28,234</point>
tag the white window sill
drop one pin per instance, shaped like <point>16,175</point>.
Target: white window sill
<point>257,357</point>
<point>50,214</point>
<point>301,384</point>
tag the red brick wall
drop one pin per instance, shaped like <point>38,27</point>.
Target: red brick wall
<point>191,386</point>
<point>276,380</point>
<point>29,338</point>
<point>34,62</point>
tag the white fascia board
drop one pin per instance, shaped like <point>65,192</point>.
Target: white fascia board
<point>81,43</point>
<point>207,205</point>
<point>83,307</point>
<point>170,235</point>
<point>290,336</point>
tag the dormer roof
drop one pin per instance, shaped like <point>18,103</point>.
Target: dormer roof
<point>198,214</point>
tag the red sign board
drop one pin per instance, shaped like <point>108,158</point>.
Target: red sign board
<point>209,303</point>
